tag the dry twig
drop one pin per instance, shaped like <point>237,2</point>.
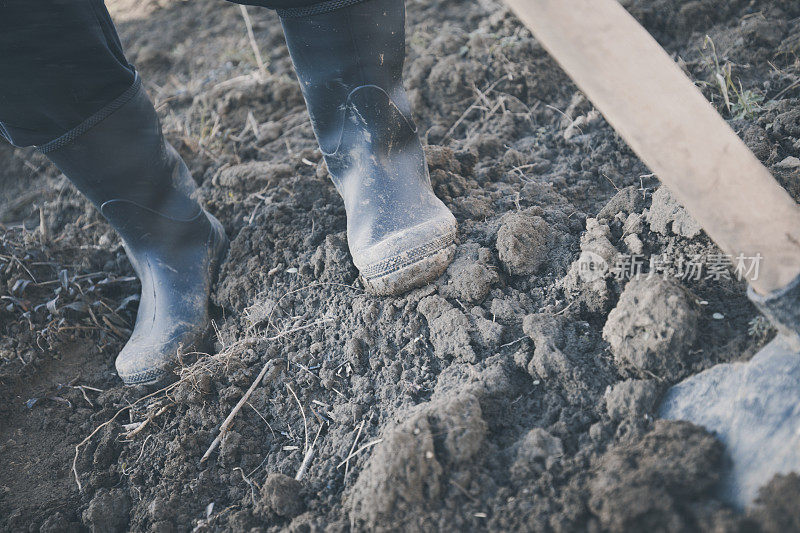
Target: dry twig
<point>106,423</point>
<point>308,457</point>
<point>353,447</point>
<point>249,25</point>
<point>361,449</point>
<point>302,412</point>
<point>273,367</point>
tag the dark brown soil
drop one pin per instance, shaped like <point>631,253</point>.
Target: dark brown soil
<point>496,399</point>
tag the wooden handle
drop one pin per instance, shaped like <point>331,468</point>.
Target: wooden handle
<point>665,119</point>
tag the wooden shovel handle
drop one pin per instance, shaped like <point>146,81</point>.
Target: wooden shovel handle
<point>665,119</point>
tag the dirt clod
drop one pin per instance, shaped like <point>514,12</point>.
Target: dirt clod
<point>281,494</point>
<point>253,176</point>
<point>522,243</point>
<point>536,450</point>
<point>546,332</point>
<point>408,470</point>
<point>775,508</point>
<point>59,523</point>
<point>653,326</point>
<point>631,398</point>
<point>108,511</point>
<point>666,216</point>
<point>470,277</point>
<point>229,448</point>
<point>627,201</point>
<point>449,329</point>
<point>651,484</point>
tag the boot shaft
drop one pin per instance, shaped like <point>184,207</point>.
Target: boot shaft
<point>121,162</point>
<point>350,64</point>
<point>338,52</point>
<point>120,154</point>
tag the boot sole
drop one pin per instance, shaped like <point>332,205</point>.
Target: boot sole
<point>413,269</point>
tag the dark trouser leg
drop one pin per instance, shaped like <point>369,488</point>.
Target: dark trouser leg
<point>66,87</point>
<point>60,62</point>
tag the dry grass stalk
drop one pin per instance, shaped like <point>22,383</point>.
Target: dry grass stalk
<point>251,36</point>
<point>273,367</point>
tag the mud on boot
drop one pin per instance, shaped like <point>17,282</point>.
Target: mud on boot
<point>177,261</point>
<point>350,62</point>
<point>119,159</point>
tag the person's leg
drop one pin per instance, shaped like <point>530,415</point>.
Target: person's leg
<point>61,61</point>
<point>65,87</point>
<point>349,55</point>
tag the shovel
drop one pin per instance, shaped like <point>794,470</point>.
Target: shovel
<point>753,407</point>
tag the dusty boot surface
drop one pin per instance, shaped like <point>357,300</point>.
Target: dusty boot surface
<point>349,62</point>
<point>122,163</point>
<point>753,407</point>
<point>177,261</point>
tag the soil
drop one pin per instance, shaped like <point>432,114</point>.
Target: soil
<point>516,392</point>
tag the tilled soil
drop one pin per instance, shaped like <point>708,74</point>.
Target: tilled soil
<point>517,392</point>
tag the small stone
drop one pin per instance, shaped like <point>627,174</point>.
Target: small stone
<point>523,243</point>
<point>631,398</point>
<point>789,163</point>
<point>281,494</point>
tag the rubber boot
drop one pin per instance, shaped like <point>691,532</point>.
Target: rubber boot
<point>119,159</point>
<point>349,62</point>
<point>753,407</point>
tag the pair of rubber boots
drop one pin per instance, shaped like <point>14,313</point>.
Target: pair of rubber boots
<point>349,62</point>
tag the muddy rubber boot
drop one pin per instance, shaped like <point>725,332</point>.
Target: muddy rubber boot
<point>753,407</point>
<point>121,162</point>
<point>350,62</point>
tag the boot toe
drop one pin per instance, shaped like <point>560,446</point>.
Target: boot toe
<point>136,367</point>
<point>145,361</point>
<point>408,258</point>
